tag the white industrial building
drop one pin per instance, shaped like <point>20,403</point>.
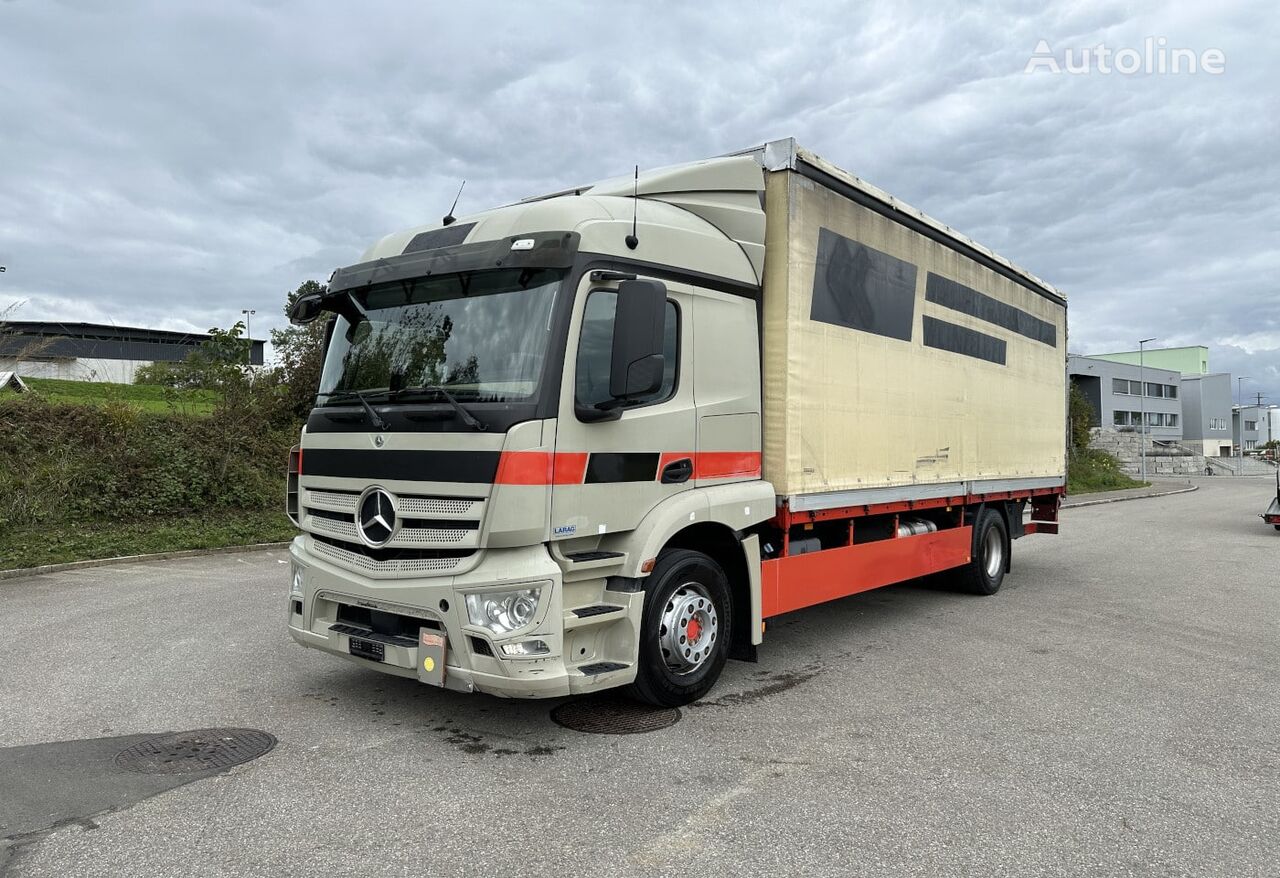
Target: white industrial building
<point>93,351</point>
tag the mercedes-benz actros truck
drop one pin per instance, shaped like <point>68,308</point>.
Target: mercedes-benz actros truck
<point>598,438</point>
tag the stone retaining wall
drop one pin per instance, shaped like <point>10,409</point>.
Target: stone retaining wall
<point>1162,460</point>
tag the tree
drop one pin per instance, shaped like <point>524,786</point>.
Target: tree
<point>217,364</point>
<point>299,352</point>
<point>1080,419</point>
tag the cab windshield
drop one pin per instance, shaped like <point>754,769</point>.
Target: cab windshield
<point>481,336</point>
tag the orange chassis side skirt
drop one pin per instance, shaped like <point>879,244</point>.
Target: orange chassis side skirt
<point>797,581</point>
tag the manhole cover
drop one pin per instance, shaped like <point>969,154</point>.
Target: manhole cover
<point>189,752</point>
<point>613,716</point>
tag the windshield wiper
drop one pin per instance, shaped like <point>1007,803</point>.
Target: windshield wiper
<point>467,418</point>
<point>374,417</point>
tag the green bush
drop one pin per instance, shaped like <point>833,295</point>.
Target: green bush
<point>191,455</point>
<point>1090,470</point>
<point>65,462</point>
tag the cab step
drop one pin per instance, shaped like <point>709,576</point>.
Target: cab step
<point>583,557</point>
<point>596,610</point>
<point>590,564</point>
<point>595,668</point>
<point>580,617</point>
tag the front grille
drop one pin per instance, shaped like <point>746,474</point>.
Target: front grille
<point>389,561</point>
<point>437,506</point>
<point>425,522</point>
<point>339,501</point>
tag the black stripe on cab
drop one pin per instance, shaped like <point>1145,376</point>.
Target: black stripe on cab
<point>473,467</point>
<point>966,300</point>
<point>961,340</point>
<point>630,466</point>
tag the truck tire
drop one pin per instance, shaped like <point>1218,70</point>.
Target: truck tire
<point>684,629</point>
<point>985,571</point>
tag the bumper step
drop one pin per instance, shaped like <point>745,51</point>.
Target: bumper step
<point>367,634</point>
<point>601,668</point>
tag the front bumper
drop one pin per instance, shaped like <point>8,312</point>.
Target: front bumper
<point>475,660</point>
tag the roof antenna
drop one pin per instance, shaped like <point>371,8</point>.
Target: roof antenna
<point>632,241</point>
<point>450,219</point>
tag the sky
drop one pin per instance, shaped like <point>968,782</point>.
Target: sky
<point>168,164</point>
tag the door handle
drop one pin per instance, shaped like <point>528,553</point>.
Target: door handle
<point>677,471</point>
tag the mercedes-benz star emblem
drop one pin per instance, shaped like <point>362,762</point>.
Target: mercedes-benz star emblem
<point>376,517</point>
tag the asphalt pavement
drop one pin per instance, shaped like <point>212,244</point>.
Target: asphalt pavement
<point>1114,710</point>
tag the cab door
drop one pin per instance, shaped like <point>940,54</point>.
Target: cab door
<point>608,474</point>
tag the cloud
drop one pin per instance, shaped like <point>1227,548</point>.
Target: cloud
<point>168,164</point>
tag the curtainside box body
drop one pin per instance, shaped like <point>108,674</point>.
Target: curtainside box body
<point>901,360</point>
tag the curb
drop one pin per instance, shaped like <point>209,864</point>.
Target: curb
<point>1114,499</point>
<point>20,572</point>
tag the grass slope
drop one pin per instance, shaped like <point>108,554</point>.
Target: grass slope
<point>143,397</point>
<point>32,546</point>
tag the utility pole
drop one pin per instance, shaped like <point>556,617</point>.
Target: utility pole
<point>1142,407</point>
<point>1240,379</point>
<point>248,333</point>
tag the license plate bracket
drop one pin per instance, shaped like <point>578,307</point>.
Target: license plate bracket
<point>432,649</point>
<point>368,649</point>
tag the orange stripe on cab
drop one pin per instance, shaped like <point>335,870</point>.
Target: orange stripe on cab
<point>726,464</point>
<point>540,468</point>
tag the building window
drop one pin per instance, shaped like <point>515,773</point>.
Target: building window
<point>1120,385</point>
<point>1171,391</point>
<point>1121,419</point>
<point>1217,424</point>
<point>1171,420</point>
<point>1251,425</point>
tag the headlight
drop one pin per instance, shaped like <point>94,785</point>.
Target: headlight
<point>503,611</point>
<point>295,582</point>
<point>526,648</point>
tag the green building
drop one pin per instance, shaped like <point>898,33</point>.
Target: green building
<point>1189,361</point>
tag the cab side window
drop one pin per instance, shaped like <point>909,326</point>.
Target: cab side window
<point>596,344</point>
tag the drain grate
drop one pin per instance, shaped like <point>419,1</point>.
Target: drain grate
<point>190,752</point>
<point>610,715</point>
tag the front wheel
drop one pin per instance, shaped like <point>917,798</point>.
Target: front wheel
<point>985,572</point>
<point>684,631</point>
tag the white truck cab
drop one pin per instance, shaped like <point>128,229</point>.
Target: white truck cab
<point>518,412</point>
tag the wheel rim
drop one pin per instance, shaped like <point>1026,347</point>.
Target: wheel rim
<point>688,629</point>
<point>993,552</point>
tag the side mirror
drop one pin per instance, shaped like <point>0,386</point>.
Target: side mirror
<point>305,309</point>
<point>637,363</point>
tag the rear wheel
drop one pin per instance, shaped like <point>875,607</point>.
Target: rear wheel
<point>984,573</point>
<point>684,631</point>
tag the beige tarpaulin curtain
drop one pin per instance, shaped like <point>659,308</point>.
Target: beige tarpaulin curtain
<point>913,364</point>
